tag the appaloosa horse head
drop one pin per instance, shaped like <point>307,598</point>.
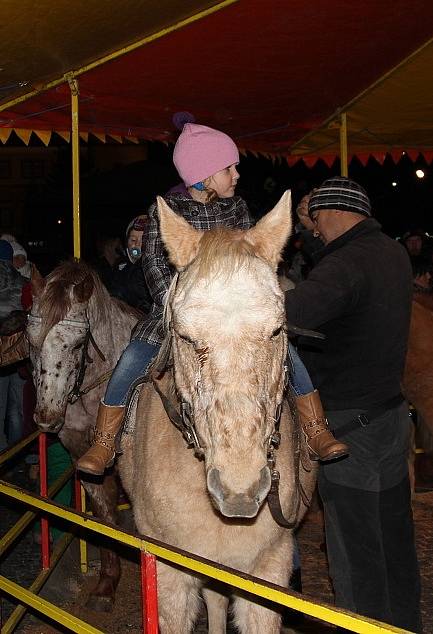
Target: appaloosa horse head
<point>227,330</point>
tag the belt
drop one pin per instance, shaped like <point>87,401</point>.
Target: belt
<point>363,420</point>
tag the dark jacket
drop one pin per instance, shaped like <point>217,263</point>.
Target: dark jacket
<point>227,212</point>
<point>359,296</point>
<point>11,284</point>
<point>128,284</point>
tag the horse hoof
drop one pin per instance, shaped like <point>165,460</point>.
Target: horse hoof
<point>99,603</point>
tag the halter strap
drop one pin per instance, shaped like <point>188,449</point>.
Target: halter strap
<point>77,391</point>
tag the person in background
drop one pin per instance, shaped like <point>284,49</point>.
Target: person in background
<point>422,269</point>
<point>11,384</point>
<point>109,254</point>
<point>206,160</point>
<point>128,282</point>
<point>414,242</point>
<point>359,295</point>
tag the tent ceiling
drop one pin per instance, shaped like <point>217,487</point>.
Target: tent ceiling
<point>268,73</point>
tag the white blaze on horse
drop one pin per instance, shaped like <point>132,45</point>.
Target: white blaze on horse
<point>76,333</point>
<point>226,328</point>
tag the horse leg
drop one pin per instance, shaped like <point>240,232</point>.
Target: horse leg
<point>103,502</point>
<point>178,600</point>
<point>216,604</point>
<point>274,565</point>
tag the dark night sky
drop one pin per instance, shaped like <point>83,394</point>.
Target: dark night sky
<point>110,199</point>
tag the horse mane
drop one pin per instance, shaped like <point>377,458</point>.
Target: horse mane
<point>75,281</point>
<point>222,251</point>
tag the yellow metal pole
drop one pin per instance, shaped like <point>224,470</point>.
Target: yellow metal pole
<point>123,51</point>
<point>83,543</point>
<point>10,625</point>
<point>343,145</point>
<point>7,454</point>
<point>15,531</point>
<point>73,85</point>
<point>47,609</point>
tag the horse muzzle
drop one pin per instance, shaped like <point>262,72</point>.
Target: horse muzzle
<point>46,422</point>
<point>238,505</point>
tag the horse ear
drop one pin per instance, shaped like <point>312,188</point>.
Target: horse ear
<point>84,289</point>
<point>180,239</point>
<point>271,233</point>
<point>37,282</point>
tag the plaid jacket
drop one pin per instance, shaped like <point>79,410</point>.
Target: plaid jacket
<point>229,212</point>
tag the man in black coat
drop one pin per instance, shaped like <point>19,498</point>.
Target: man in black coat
<point>359,296</point>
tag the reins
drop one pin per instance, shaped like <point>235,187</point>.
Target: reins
<point>77,391</point>
<point>273,498</point>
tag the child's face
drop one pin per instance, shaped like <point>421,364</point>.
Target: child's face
<point>224,181</point>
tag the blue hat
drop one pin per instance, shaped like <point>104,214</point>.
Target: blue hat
<point>6,251</point>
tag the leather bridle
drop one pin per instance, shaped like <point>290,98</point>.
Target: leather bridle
<point>77,391</point>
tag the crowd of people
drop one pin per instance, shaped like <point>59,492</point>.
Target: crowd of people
<point>352,283</point>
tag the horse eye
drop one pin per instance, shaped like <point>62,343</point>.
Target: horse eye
<point>276,332</point>
<point>187,339</point>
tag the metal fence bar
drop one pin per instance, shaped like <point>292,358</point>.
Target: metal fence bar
<point>17,529</point>
<point>16,616</point>
<point>149,593</point>
<point>43,489</point>
<point>46,608</point>
<point>80,506</point>
<point>272,592</point>
<point>9,453</point>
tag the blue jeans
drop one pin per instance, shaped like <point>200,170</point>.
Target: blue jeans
<point>299,378</point>
<point>11,407</point>
<point>138,355</point>
<point>133,363</point>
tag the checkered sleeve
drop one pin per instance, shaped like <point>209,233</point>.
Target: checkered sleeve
<point>156,269</point>
<point>244,219</point>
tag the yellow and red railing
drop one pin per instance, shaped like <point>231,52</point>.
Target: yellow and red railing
<point>150,549</point>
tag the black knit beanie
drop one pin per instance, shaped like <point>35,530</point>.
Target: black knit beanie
<point>340,193</point>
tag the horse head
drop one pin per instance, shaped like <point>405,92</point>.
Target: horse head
<point>57,330</point>
<point>227,322</point>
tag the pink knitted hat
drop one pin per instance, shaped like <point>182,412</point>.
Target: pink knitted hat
<point>201,152</point>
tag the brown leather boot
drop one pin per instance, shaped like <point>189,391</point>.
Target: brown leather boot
<point>321,443</point>
<point>101,454</point>
<point>13,348</point>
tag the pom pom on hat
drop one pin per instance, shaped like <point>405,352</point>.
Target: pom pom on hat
<point>201,152</point>
<point>180,119</point>
<point>340,193</point>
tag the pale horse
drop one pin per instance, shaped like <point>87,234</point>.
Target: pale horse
<point>227,331</point>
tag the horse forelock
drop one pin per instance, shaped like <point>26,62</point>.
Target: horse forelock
<point>222,251</point>
<point>67,284</point>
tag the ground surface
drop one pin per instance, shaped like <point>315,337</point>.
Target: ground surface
<point>69,588</point>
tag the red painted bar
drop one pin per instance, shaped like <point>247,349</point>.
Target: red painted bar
<point>78,506</point>
<point>43,489</point>
<point>149,593</point>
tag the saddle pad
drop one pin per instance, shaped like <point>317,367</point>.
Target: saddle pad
<point>131,410</point>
